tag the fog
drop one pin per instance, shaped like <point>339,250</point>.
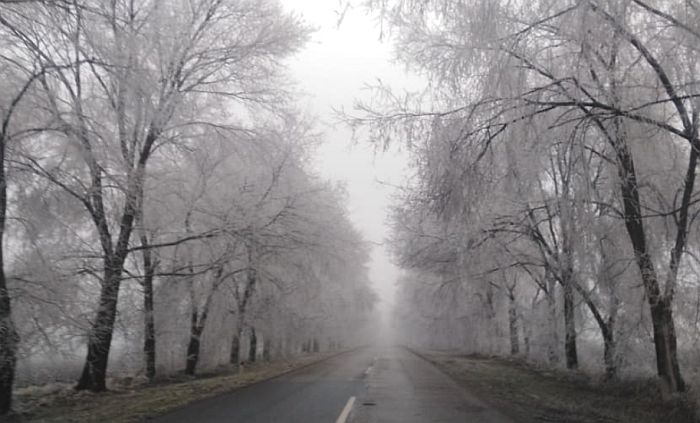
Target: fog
<point>195,188</point>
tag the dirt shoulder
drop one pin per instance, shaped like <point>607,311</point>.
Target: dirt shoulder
<point>530,395</point>
<point>128,401</point>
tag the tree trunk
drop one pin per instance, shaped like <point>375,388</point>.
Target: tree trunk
<point>609,354</point>
<point>526,342</point>
<point>253,351</point>
<point>234,357</point>
<point>149,269</point>
<point>8,345</point>
<point>553,347</point>
<point>193,346</point>
<point>94,373</point>
<point>251,280</point>
<point>199,322</point>
<point>513,325</point>
<point>8,334</point>
<point>660,307</point>
<point>607,330</point>
<point>666,350</point>
<point>149,338</point>
<point>570,326</point>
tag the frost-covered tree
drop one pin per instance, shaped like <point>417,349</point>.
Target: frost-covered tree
<point>600,98</point>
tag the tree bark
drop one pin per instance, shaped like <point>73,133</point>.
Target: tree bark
<point>249,289</point>
<point>8,333</point>
<point>199,322</point>
<point>526,342</point>
<point>253,351</point>
<point>570,327</point>
<point>8,345</point>
<point>193,347</point>
<point>235,355</point>
<point>661,309</point>
<point>665,345</point>
<point>94,373</point>
<point>513,324</point>
<point>609,354</point>
<point>553,355</point>
<point>149,337</point>
<point>607,330</point>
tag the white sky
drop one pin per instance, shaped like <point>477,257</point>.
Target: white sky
<point>334,70</point>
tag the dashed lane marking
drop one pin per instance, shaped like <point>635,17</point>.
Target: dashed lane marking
<point>346,411</point>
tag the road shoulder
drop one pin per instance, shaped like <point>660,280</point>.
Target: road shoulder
<point>133,402</point>
<point>530,395</point>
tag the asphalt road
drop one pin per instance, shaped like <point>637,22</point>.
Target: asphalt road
<point>388,385</point>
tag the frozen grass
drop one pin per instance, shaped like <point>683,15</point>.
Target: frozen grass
<point>131,400</point>
<point>530,395</point>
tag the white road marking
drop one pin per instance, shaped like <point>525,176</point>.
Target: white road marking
<point>346,411</point>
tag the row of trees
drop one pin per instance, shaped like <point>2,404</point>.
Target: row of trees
<point>554,191</point>
<point>155,192</point>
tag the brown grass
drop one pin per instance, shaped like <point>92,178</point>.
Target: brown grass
<point>531,395</point>
<point>130,402</point>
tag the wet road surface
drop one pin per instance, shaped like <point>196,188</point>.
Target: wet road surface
<point>368,385</point>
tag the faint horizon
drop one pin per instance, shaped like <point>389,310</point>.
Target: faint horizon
<point>334,70</point>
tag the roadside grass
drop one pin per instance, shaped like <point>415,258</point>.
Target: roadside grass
<point>132,401</point>
<point>530,395</point>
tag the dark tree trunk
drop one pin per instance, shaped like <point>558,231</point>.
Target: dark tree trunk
<point>609,354</point>
<point>253,351</point>
<point>8,334</point>
<point>513,325</point>
<point>526,341</point>
<point>315,345</point>
<point>8,346</point>
<point>234,357</point>
<point>661,309</point>
<point>665,345</point>
<point>193,346</point>
<point>197,325</point>
<point>149,342</point>
<point>571,352</point>
<point>192,355</point>
<point>149,339</point>
<point>251,280</point>
<point>553,354</point>
<point>94,373</point>
<point>607,329</point>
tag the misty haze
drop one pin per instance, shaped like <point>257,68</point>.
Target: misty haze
<point>350,211</point>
